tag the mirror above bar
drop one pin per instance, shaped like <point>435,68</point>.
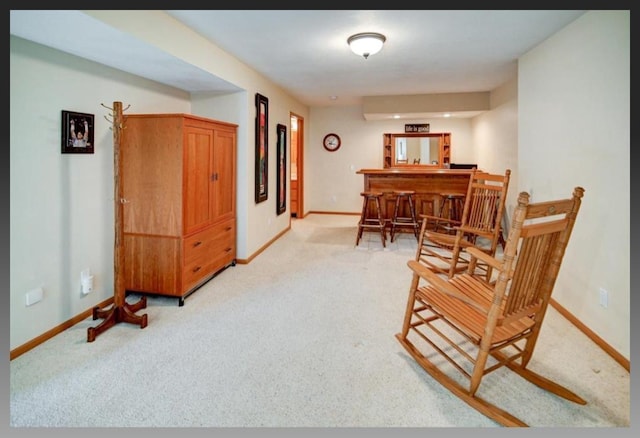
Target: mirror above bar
<point>421,150</point>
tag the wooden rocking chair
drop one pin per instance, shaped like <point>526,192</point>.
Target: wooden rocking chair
<point>481,219</point>
<point>478,327</point>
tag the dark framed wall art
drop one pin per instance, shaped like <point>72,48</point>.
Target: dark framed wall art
<point>262,147</point>
<point>77,133</point>
<point>281,204</point>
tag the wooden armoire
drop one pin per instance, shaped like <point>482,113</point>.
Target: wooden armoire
<point>178,176</point>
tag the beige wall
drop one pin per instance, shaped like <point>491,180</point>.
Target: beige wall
<point>377,107</point>
<point>495,138</point>
<point>257,223</point>
<point>574,129</point>
<point>331,182</point>
<point>61,206</point>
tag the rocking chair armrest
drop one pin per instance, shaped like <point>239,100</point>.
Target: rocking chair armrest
<point>441,284</point>
<point>427,274</point>
<point>473,230</point>
<point>428,216</point>
<point>439,219</point>
<point>484,257</point>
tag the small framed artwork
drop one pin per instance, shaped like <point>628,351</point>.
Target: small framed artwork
<point>262,147</point>
<point>77,133</point>
<point>281,153</point>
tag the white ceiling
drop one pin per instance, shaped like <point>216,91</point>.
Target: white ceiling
<point>306,52</point>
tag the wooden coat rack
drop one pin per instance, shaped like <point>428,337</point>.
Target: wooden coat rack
<point>120,311</point>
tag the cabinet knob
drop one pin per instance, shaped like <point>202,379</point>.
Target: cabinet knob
<point>196,269</point>
<point>197,244</point>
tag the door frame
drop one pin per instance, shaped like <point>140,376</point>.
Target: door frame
<point>299,162</point>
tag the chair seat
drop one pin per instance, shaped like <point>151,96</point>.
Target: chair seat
<point>448,240</point>
<point>468,318</point>
<point>441,239</point>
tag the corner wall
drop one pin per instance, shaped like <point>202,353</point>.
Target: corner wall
<point>574,130</point>
<point>61,205</point>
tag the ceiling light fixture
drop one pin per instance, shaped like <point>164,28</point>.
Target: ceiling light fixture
<point>366,43</point>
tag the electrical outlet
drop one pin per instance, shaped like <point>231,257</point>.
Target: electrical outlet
<point>33,296</point>
<point>604,297</point>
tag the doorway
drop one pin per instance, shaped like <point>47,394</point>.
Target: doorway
<point>297,167</point>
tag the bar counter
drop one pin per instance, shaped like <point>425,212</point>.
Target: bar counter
<point>430,186</point>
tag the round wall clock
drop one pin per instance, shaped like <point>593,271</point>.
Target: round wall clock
<point>331,142</point>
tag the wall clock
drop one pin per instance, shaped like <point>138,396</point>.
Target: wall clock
<point>331,142</point>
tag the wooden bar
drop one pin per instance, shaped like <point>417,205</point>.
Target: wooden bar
<point>429,185</point>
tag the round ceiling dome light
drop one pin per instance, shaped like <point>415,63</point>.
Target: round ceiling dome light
<point>366,43</point>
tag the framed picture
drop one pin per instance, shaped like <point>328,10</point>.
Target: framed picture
<point>77,133</point>
<point>281,205</point>
<point>262,147</point>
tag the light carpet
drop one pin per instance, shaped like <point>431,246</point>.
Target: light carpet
<point>303,336</point>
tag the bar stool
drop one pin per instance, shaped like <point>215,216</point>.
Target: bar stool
<point>371,217</point>
<point>404,213</point>
<point>451,208</point>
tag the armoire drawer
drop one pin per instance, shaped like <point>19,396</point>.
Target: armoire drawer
<point>206,251</point>
<point>198,268</point>
<point>212,239</point>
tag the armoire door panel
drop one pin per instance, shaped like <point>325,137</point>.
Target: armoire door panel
<point>198,184</point>
<point>151,160</point>
<point>224,165</point>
